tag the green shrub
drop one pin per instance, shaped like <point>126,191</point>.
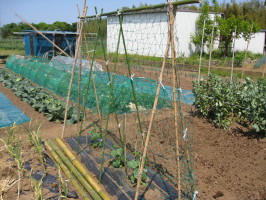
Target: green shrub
<point>225,102</point>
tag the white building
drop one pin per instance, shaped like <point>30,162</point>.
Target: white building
<point>257,43</point>
<point>146,32</point>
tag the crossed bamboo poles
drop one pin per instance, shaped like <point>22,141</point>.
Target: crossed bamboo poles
<point>56,152</point>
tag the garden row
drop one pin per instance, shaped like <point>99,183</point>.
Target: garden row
<point>36,97</point>
<point>12,44</point>
<point>226,102</point>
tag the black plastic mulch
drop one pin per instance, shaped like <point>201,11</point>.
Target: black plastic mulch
<point>114,179</point>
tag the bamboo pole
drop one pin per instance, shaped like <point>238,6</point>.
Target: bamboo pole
<point>79,73</point>
<point>82,170</point>
<point>233,58</point>
<point>94,85</point>
<point>201,49</point>
<point>72,73</point>
<point>176,3</point>
<point>75,172</point>
<point>130,74</point>
<point>87,87</point>
<point>97,100</point>
<point>67,172</point>
<point>173,60</point>
<point>125,143</point>
<point>211,48</point>
<point>246,52</point>
<point>143,159</point>
<point>26,22</point>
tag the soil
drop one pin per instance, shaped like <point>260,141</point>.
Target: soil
<point>228,164</point>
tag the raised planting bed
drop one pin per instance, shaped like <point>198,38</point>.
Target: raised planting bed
<point>117,182</point>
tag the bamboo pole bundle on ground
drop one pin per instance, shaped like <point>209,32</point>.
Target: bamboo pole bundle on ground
<point>74,171</point>
<point>82,170</point>
<point>67,172</point>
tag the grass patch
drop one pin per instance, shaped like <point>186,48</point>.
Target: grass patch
<point>11,52</point>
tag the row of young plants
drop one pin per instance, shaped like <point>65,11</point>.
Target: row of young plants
<point>37,98</point>
<point>20,152</point>
<point>119,159</point>
<point>225,102</point>
<point>12,44</point>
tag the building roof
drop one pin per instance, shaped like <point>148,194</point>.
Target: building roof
<point>163,10</point>
<point>47,32</point>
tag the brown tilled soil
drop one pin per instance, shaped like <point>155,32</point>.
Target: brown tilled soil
<point>229,164</point>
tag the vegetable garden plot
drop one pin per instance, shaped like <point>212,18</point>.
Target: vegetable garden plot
<point>115,179</point>
<point>37,98</point>
<point>55,76</point>
<point>10,114</point>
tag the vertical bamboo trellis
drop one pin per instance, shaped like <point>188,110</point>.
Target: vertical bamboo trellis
<point>173,60</point>
<point>201,49</point>
<point>143,158</point>
<point>80,63</point>
<point>233,58</point>
<point>79,43</point>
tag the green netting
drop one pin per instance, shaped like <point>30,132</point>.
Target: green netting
<point>55,76</point>
<point>260,62</point>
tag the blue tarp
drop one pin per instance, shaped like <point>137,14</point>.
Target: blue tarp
<point>10,114</point>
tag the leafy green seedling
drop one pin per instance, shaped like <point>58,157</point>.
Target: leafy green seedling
<point>119,158</point>
<point>96,139</point>
<point>134,164</point>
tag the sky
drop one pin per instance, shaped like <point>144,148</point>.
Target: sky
<point>49,11</point>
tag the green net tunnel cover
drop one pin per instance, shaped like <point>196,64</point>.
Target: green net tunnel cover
<point>55,76</point>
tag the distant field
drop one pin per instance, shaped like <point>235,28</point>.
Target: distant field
<point>11,46</point>
<point>11,52</point>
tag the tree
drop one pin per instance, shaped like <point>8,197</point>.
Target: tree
<point>242,27</point>
<point>42,26</point>
<point>205,16</point>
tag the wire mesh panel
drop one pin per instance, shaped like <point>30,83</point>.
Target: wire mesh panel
<point>128,95</point>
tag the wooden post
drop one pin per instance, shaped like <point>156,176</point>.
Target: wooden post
<point>201,49</point>
<point>143,158</point>
<point>233,58</point>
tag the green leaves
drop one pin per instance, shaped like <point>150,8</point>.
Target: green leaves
<point>135,164</point>
<point>119,158</point>
<point>225,102</point>
<point>41,101</point>
<point>96,139</point>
